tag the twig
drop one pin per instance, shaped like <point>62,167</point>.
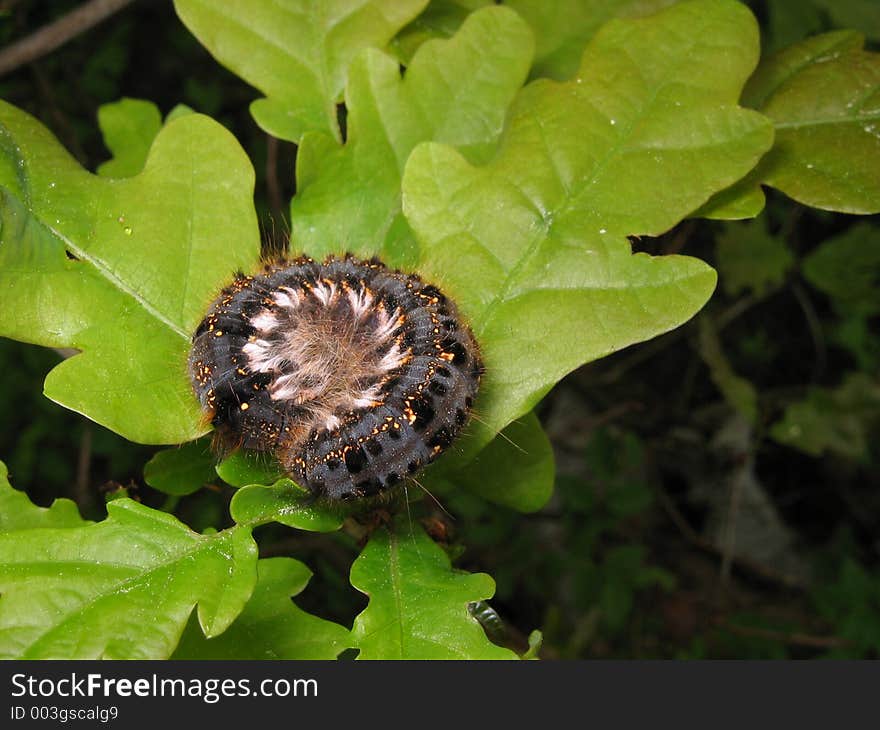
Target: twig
<point>691,536</point>
<point>727,551</point>
<point>793,638</point>
<point>815,328</point>
<point>58,32</point>
<point>739,307</point>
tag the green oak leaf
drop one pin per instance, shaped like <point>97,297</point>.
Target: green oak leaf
<point>118,589</point>
<point>271,626</point>
<point>242,467</point>
<point>823,97</point>
<point>129,127</point>
<point>839,420</point>
<point>181,470</point>
<point>789,21</point>
<point>774,71</point>
<point>17,512</point>
<point>863,14</point>
<point>455,91</point>
<point>441,19</point>
<point>122,269</point>
<point>563,28</point>
<point>533,246</point>
<point>854,332</point>
<point>750,259</point>
<point>296,52</point>
<point>846,268</point>
<point>827,120</point>
<point>285,502</point>
<point>418,604</point>
<point>744,199</point>
<point>516,469</point>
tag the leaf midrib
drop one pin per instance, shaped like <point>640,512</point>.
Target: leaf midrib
<point>822,121</point>
<point>582,184</point>
<point>396,589</point>
<point>200,542</point>
<point>109,275</point>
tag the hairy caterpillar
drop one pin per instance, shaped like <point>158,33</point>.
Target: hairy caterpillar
<point>351,374</point>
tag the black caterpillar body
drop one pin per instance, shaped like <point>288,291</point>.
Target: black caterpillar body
<point>352,375</point>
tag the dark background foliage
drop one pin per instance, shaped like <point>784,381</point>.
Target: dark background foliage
<point>693,516</point>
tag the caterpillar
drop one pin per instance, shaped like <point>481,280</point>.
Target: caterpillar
<point>352,375</point>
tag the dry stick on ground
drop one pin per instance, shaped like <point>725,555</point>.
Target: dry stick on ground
<point>57,33</point>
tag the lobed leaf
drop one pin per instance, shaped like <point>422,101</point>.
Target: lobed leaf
<point>773,72</point>
<point>122,270</point>
<point>533,245</point>
<point>854,14</point>
<point>296,52</point>
<point>129,127</point>
<point>271,626</point>
<point>789,21</point>
<point>836,420</point>
<point>455,91</point>
<point>846,268</point>
<point>17,512</point>
<point>418,604</point>
<point>241,468</point>
<point>122,588</point>
<point>284,502</point>
<point>827,119</point>
<point>854,332</point>
<point>563,28</point>
<point>750,259</point>
<point>823,97</point>
<point>181,470</point>
<point>516,469</point>
<point>440,19</point>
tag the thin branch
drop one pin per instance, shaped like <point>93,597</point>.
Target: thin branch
<point>739,307</point>
<point>727,550</point>
<point>57,33</point>
<point>691,536</point>
<point>815,328</point>
<point>791,638</point>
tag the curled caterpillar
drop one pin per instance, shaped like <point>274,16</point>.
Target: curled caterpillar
<point>351,374</point>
